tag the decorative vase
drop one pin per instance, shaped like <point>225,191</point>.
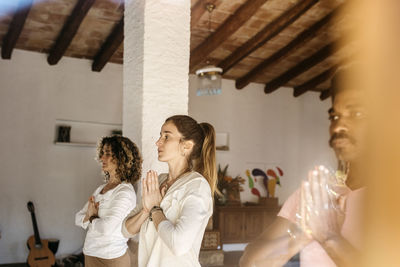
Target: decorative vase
<point>221,199</point>
<point>233,197</point>
<point>271,187</point>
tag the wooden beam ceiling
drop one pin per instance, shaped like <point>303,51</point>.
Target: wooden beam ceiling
<point>69,30</point>
<point>301,67</point>
<point>267,33</point>
<point>16,26</point>
<point>196,12</point>
<point>314,82</point>
<point>239,15</point>
<point>297,42</point>
<point>109,47</point>
<point>325,94</point>
<point>230,26</point>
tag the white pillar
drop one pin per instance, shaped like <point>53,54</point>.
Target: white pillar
<point>156,70</point>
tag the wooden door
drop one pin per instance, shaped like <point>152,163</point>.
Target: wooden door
<point>254,224</point>
<point>269,217</point>
<point>231,226</point>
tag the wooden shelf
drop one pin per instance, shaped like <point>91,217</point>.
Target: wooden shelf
<point>76,144</point>
<point>84,133</point>
<point>88,122</point>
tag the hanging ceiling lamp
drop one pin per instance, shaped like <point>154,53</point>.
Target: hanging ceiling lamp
<point>209,76</point>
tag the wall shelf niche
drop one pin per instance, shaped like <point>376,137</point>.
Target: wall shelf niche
<point>75,144</point>
<point>222,141</point>
<point>84,133</point>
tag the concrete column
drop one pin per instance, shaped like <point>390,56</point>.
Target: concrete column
<point>156,67</point>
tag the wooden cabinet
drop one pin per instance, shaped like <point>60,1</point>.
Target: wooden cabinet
<point>241,224</point>
<point>232,225</point>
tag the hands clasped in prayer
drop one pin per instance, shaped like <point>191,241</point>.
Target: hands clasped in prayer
<point>321,214</point>
<point>151,193</point>
<point>93,208</point>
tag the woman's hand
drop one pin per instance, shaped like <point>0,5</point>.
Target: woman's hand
<point>151,195</point>
<point>93,207</point>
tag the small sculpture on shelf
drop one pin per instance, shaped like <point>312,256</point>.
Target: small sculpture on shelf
<point>63,134</point>
<point>229,187</point>
<point>116,132</point>
<point>270,180</point>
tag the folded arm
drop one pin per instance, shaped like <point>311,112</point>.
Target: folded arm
<point>121,205</point>
<point>81,217</point>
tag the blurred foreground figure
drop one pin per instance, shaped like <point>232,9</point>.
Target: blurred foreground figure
<point>379,30</point>
<point>320,222</point>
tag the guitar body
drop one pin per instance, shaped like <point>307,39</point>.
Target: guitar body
<point>40,256</point>
<point>39,253</point>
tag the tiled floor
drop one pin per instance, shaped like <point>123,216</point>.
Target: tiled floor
<point>231,258</point>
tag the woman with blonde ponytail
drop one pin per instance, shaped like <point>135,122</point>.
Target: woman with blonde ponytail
<point>207,160</point>
<point>176,206</point>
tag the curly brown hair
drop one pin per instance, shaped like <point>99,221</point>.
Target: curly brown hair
<point>126,155</point>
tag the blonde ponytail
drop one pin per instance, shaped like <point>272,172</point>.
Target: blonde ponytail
<point>207,163</point>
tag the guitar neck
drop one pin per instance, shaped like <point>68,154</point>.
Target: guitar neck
<point>35,229</point>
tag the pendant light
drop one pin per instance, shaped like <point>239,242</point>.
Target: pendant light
<point>209,76</point>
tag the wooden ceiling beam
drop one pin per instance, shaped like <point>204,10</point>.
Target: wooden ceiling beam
<point>314,82</point>
<point>297,42</point>
<point>15,29</point>
<point>196,12</point>
<point>228,27</point>
<point>267,33</point>
<point>301,67</point>
<point>69,30</point>
<point>325,94</point>
<point>109,47</point>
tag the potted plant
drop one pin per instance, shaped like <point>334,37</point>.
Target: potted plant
<point>229,187</point>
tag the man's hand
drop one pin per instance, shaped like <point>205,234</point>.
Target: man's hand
<point>321,214</point>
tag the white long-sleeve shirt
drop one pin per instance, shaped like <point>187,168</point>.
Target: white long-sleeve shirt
<point>104,238</point>
<point>187,206</point>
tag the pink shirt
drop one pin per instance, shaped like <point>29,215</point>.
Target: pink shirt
<point>313,254</point>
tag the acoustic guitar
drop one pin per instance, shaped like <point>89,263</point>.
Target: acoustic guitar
<point>39,255</point>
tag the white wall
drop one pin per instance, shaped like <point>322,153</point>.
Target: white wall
<point>57,179</point>
<point>267,130</point>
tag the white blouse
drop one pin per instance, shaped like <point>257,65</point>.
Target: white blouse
<point>104,238</point>
<point>187,205</point>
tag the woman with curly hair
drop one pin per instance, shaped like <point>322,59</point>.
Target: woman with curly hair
<point>177,205</point>
<point>110,203</point>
